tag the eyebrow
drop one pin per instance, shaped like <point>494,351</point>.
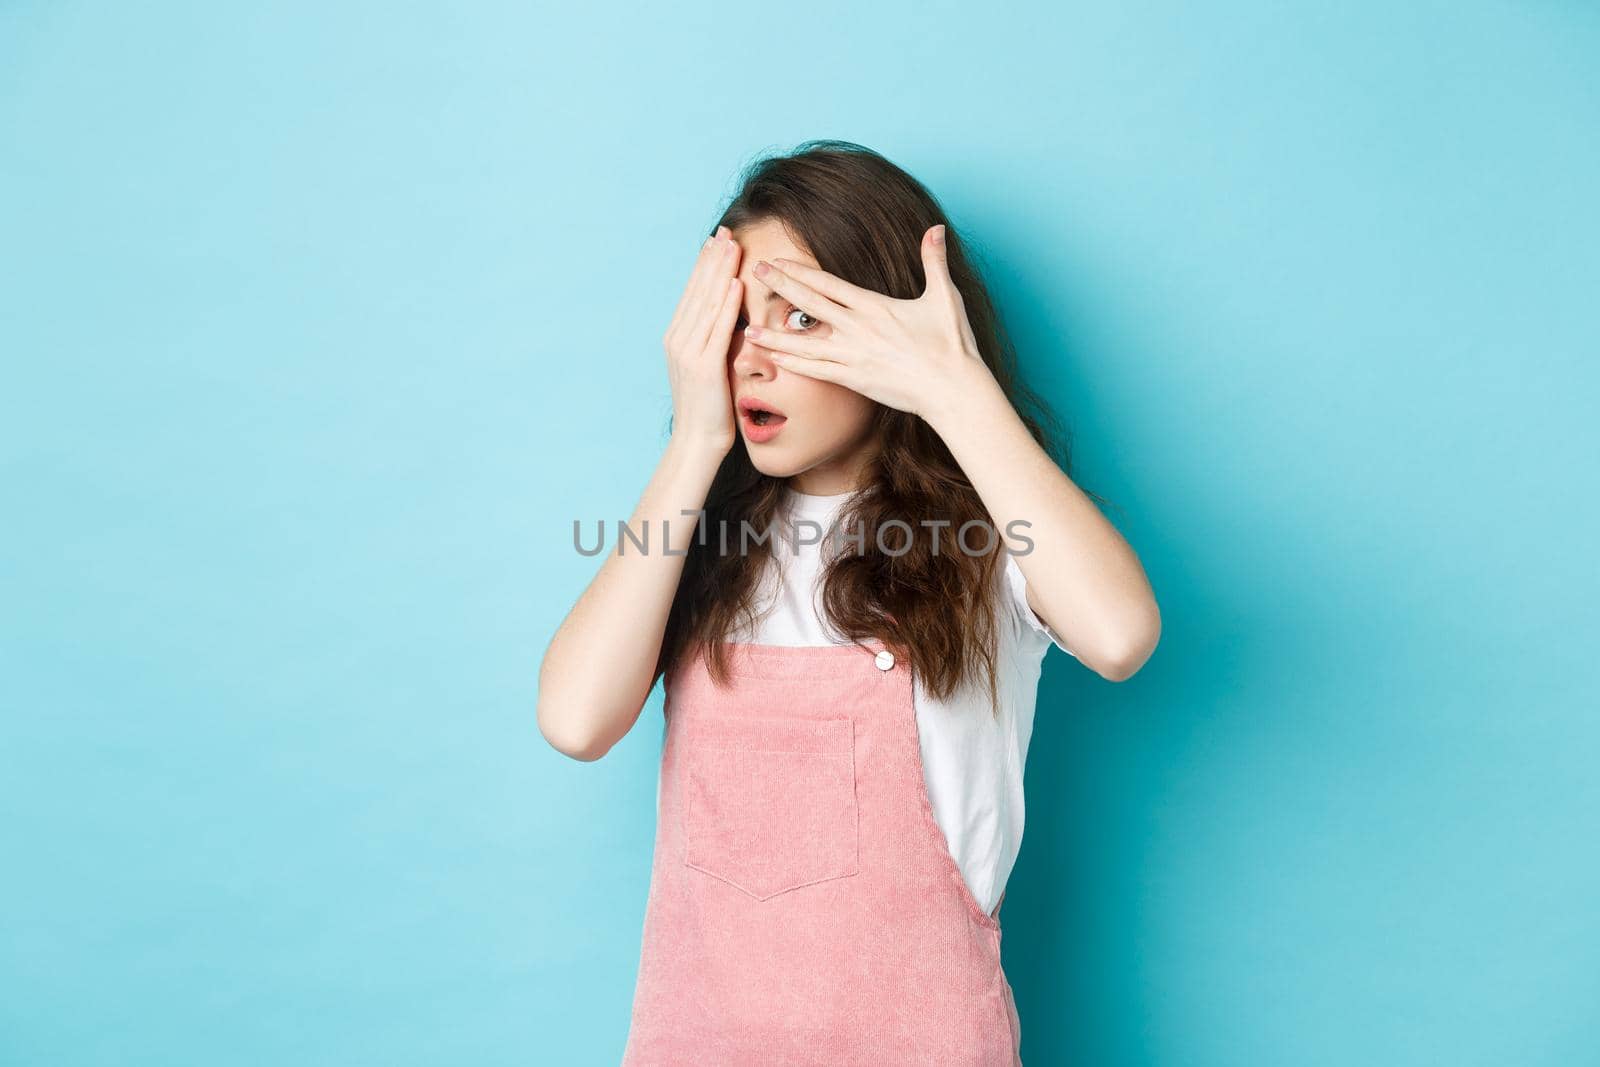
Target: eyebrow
<point>772,296</point>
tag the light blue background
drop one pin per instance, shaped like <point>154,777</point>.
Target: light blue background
<point>321,323</point>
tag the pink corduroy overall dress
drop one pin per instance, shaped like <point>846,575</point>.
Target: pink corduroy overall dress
<point>804,907</point>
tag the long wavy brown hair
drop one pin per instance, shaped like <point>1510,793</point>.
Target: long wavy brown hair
<point>863,218</point>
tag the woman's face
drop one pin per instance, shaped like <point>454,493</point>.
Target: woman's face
<point>823,438</point>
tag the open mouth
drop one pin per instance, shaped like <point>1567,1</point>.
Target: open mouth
<point>761,420</point>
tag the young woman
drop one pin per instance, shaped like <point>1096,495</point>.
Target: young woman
<point>857,550</point>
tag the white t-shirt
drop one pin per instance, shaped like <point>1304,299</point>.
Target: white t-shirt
<point>972,759</point>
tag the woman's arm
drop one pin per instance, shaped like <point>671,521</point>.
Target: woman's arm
<point>599,667</point>
<point>1084,580</point>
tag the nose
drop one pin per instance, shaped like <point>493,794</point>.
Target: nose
<point>750,360</point>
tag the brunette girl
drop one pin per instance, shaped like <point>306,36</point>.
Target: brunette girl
<point>859,548</point>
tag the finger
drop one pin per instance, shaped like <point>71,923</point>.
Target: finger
<point>687,298</point>
<point>823,370</point>
<point>716,291</point>
<point>794,344</point>
<point>694,288</point>
<point>721,333</point>
<point>831,286</point>
<point>936,263</point>
<point>800,294</point>
<point>707,282</point>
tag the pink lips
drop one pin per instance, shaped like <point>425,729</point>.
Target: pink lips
<point>772,420</point>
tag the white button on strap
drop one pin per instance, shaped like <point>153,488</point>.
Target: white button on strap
<point>884,660</point>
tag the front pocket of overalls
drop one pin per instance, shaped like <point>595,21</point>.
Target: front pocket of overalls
<point>770,802</point>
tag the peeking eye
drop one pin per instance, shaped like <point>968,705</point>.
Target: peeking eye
<point>809,321</point>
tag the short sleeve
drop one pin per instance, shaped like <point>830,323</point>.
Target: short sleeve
<point>1017,587</point>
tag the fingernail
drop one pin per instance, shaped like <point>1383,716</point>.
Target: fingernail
<point>761,269</point>
<point>752,331</point>
<point>938,234</point>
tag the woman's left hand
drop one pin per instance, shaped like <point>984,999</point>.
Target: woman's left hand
<point>914,355</point>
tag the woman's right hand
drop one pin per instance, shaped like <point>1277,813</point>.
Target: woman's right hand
<point>697,343</point>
